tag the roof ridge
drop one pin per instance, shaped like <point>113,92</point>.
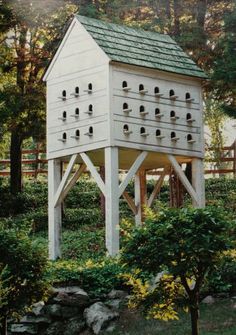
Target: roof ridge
<point>86,18</point>
<point>112,38</point>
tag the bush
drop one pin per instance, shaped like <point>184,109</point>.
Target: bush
<point>95,278</point>
<point>22,266</point>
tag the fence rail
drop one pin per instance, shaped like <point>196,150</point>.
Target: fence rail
<point>35,163</point>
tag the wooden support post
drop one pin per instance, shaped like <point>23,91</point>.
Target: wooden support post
<point>54,213</point>
<point>112,199</point>
<point>198,181</point>
<point>140,189</point>
<point>102,197</point>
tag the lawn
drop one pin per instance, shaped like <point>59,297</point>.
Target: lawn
<point>219,318</point>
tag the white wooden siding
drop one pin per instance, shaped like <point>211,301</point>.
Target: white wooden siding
<point>134,120</point>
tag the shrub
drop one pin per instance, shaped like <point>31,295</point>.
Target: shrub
<point>22,267</point>
<point>188,243</point>
<point>96,278</point>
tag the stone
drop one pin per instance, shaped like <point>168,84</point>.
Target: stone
<point>56,328</point>
<point>72,300</point>
<point>115,303</point>
<point>111,328</point>
<point>69,311</point>
<point>53,310</point>
<point>117,294</point>
<point>208,300</point>
<point>74,326</point>
<point>35,319</point>
<point>37,308</point>
<point>98,316</point>
<point>24,328</point>
<point>70,290</point>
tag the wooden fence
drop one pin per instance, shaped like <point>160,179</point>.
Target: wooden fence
<point>34,162</point>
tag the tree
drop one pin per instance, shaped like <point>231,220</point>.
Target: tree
<point>29,32</point>
<point>186,243</point>
<point>22,265</point>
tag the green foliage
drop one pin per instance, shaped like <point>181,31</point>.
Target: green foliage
<point>96,278</point>
<point>186,242</point>
<point>22,267</point>
<point>222,192</point>
<point>87,242</point>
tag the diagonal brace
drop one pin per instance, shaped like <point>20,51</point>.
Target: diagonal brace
<point>94,172</point>
<point>157,186</point>
<point>134,168</point>
<point>183,179</point>
<point>58,195</point>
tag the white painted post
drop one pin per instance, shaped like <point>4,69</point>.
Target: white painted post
<point>198,181</point>
<point>112,200</point>
<point>54,213</point>
<point>137,194</point>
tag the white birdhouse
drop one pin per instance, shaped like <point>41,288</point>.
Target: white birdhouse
<point>121,98</point>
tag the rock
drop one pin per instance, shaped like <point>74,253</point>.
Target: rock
<point>23,328</point>
<point>68,312</point>
<point>115,303</point>
<point>74,326</point>
<point>53,310</point>
<point>37,308</point>
<point>35,319</point>
<point>117,294</point>
<point>56,328</point>
<point>208,300</point>
<point>98,316</point>
<point>72,300</point>
<point>111,328</point>
<point>70,290</point>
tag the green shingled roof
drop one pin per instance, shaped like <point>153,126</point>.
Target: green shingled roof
<point>139,47</point>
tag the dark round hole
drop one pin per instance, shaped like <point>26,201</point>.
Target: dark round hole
<point>64,114</point>
<point>124,84</point>
<point>126,127</point>
<point>157,111</point>
<point>141,109</point>
<point>90,108</point>
<point>187,96</point>
<point>90,130</point>
<point>158,132</point>
<point>90,86</point>
<point>141,87</point>
<point>188,116</point>
<point>172,92</point>
<point>77,133</point>
<point>142,130</point>
<point>125,105</point>
<point>189,137</point>
<point>172,135</point>
<point>64,93</point>
<point>64,136</point>
<point>77,111</point>
<point>172,114</point>
<point>77,90</point>
<point>156,90</point>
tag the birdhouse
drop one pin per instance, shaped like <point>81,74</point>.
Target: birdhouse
<point>121,98</point>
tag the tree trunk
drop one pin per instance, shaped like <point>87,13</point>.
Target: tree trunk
<point>201,13</point>
<point>194,311</point>
<point>177,12</point>
<point>15,159</point>
<point>3,326</point>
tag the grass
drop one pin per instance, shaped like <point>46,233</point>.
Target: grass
<point>219,318</point>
